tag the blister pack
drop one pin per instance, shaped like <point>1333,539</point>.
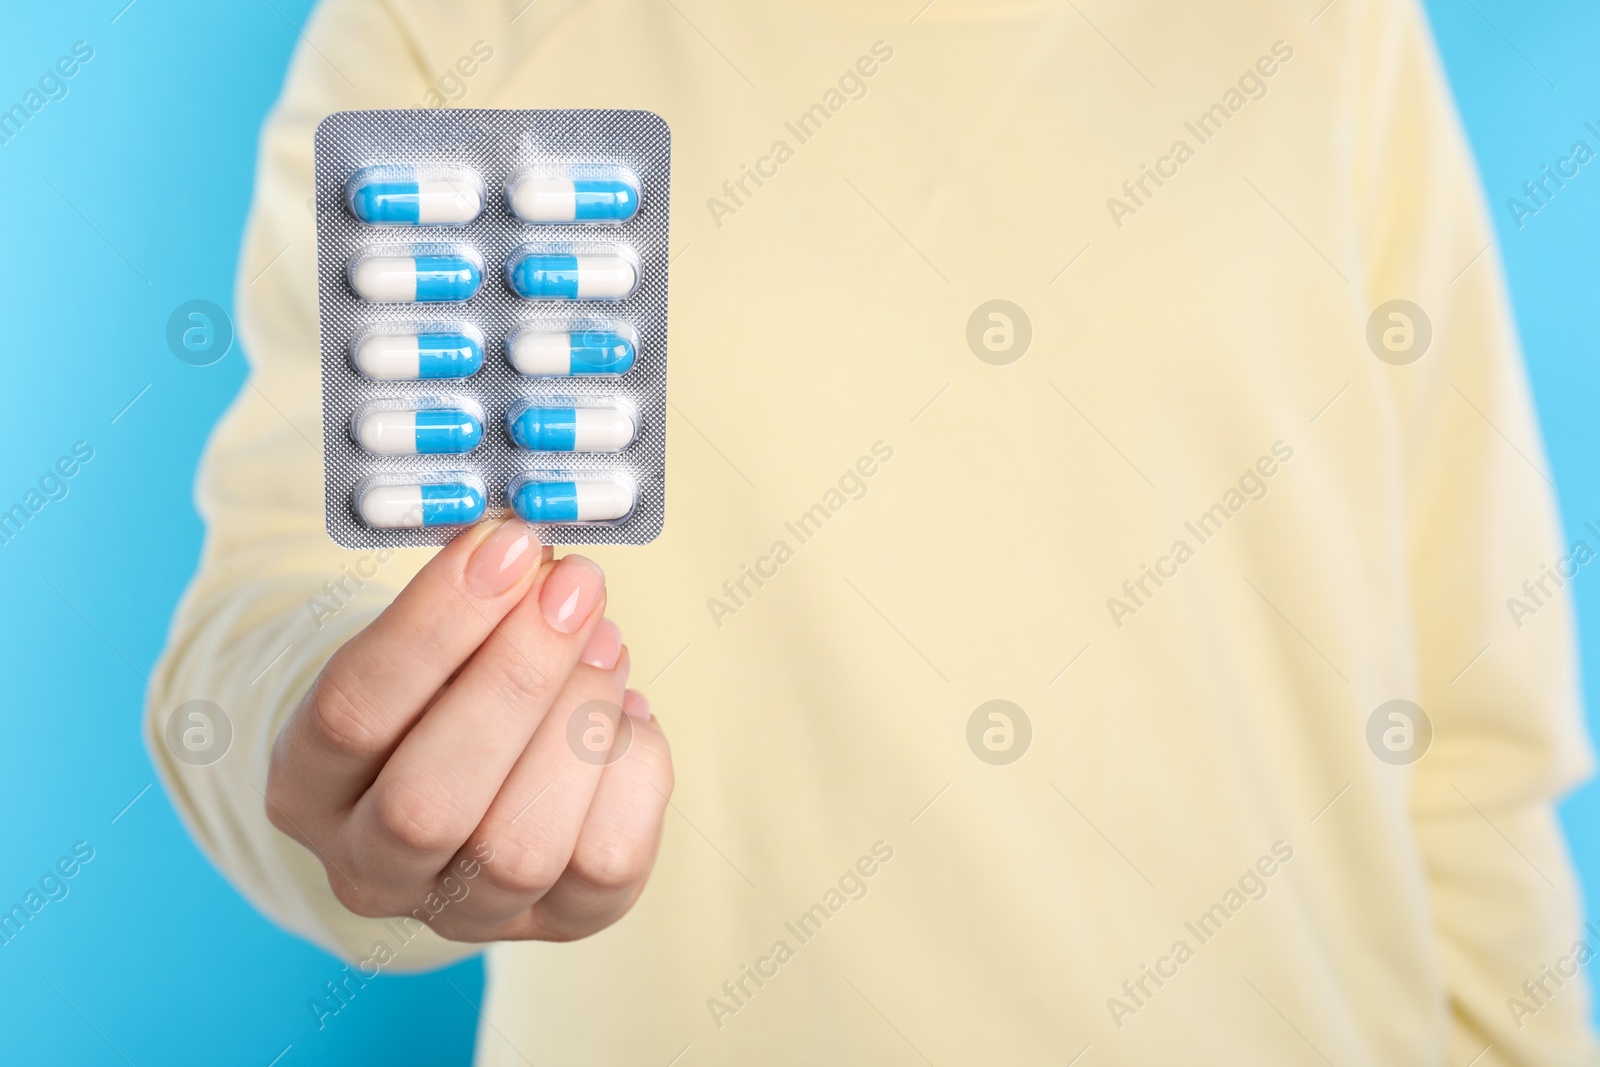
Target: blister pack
<point>492,297</point>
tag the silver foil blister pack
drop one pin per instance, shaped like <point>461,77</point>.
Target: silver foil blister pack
<point>492,297</point>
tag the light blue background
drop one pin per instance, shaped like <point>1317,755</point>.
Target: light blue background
<point>152,956</point>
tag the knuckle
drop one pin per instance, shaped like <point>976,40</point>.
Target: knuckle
<point>525,867</point>
<point>341,720</point>
<point>520,681</point>
<point>418,821</point>
<point>609,860</point>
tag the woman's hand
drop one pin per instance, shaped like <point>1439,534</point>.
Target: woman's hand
<point>481,724</point>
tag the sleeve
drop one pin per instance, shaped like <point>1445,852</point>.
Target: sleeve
<point>274,597</point>
<point>1498,685</point>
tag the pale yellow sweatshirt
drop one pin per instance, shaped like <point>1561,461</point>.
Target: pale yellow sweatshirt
<point>1196,535</point>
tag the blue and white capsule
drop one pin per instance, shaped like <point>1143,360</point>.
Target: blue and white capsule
<point>413,356</point>
<point>548,200</point>
<point>426,431</point>
<point>400,197</point>
<point>409,507</point>
<point>426,279</point>
<point>543,354</point>
<point>539,275</point>
<point>569,429</point>
<point>599,500</point>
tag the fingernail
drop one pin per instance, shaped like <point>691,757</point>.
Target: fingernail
<point>604,646</point>
<point>571,592</point>
<point>634,703</point>
<point>503,560</point>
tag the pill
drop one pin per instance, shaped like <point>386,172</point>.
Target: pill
<point>404,356</point>
<point>586,501</point>
<point>428,431</point>
<point>414,279</point>
<point>591,352</point>
<point>447,202</point>
<point>545,276</point>
<point>430,504</point>
<point>574,200</point>
<point>557,429</point>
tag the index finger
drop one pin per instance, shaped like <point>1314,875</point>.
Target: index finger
<point>372,691</point>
